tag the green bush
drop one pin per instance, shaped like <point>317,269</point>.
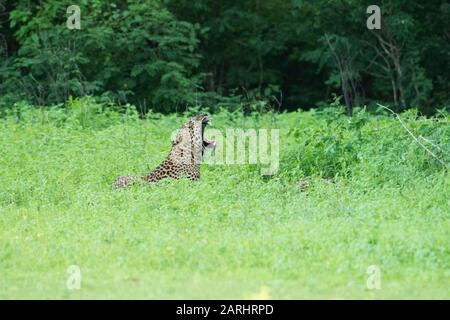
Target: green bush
<point>373,149</point>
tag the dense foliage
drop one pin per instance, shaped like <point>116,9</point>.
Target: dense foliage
<point>170,55</point>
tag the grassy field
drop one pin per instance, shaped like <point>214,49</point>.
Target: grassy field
<point>235,233</point>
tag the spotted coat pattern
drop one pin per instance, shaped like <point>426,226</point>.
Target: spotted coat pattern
<point>184,157</point>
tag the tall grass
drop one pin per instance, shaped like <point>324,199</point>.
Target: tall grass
<point>384,202</point>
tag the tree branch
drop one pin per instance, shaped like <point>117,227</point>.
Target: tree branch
<point>442,163</point>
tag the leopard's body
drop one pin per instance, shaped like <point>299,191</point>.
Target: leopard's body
<point>184,157</point>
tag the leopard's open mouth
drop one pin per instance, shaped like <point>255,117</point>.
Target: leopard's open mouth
<point>206,143</point>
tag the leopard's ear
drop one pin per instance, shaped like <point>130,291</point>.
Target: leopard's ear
<point>176,137</point>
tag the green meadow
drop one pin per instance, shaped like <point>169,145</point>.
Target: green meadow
<point>350,193</point>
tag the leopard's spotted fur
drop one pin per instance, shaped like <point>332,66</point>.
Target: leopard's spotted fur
<point>184,157</point>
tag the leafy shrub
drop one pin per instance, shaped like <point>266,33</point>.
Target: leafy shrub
<point>374,149</point>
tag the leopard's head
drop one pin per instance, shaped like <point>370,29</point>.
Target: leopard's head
<point>189,142</point>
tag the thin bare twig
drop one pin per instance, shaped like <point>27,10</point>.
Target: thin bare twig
<point>442,163</point>
<point>432,143</point>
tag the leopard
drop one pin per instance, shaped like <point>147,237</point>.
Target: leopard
<point>186,154</point>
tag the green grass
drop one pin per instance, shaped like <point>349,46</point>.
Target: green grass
<point>233,234</point>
